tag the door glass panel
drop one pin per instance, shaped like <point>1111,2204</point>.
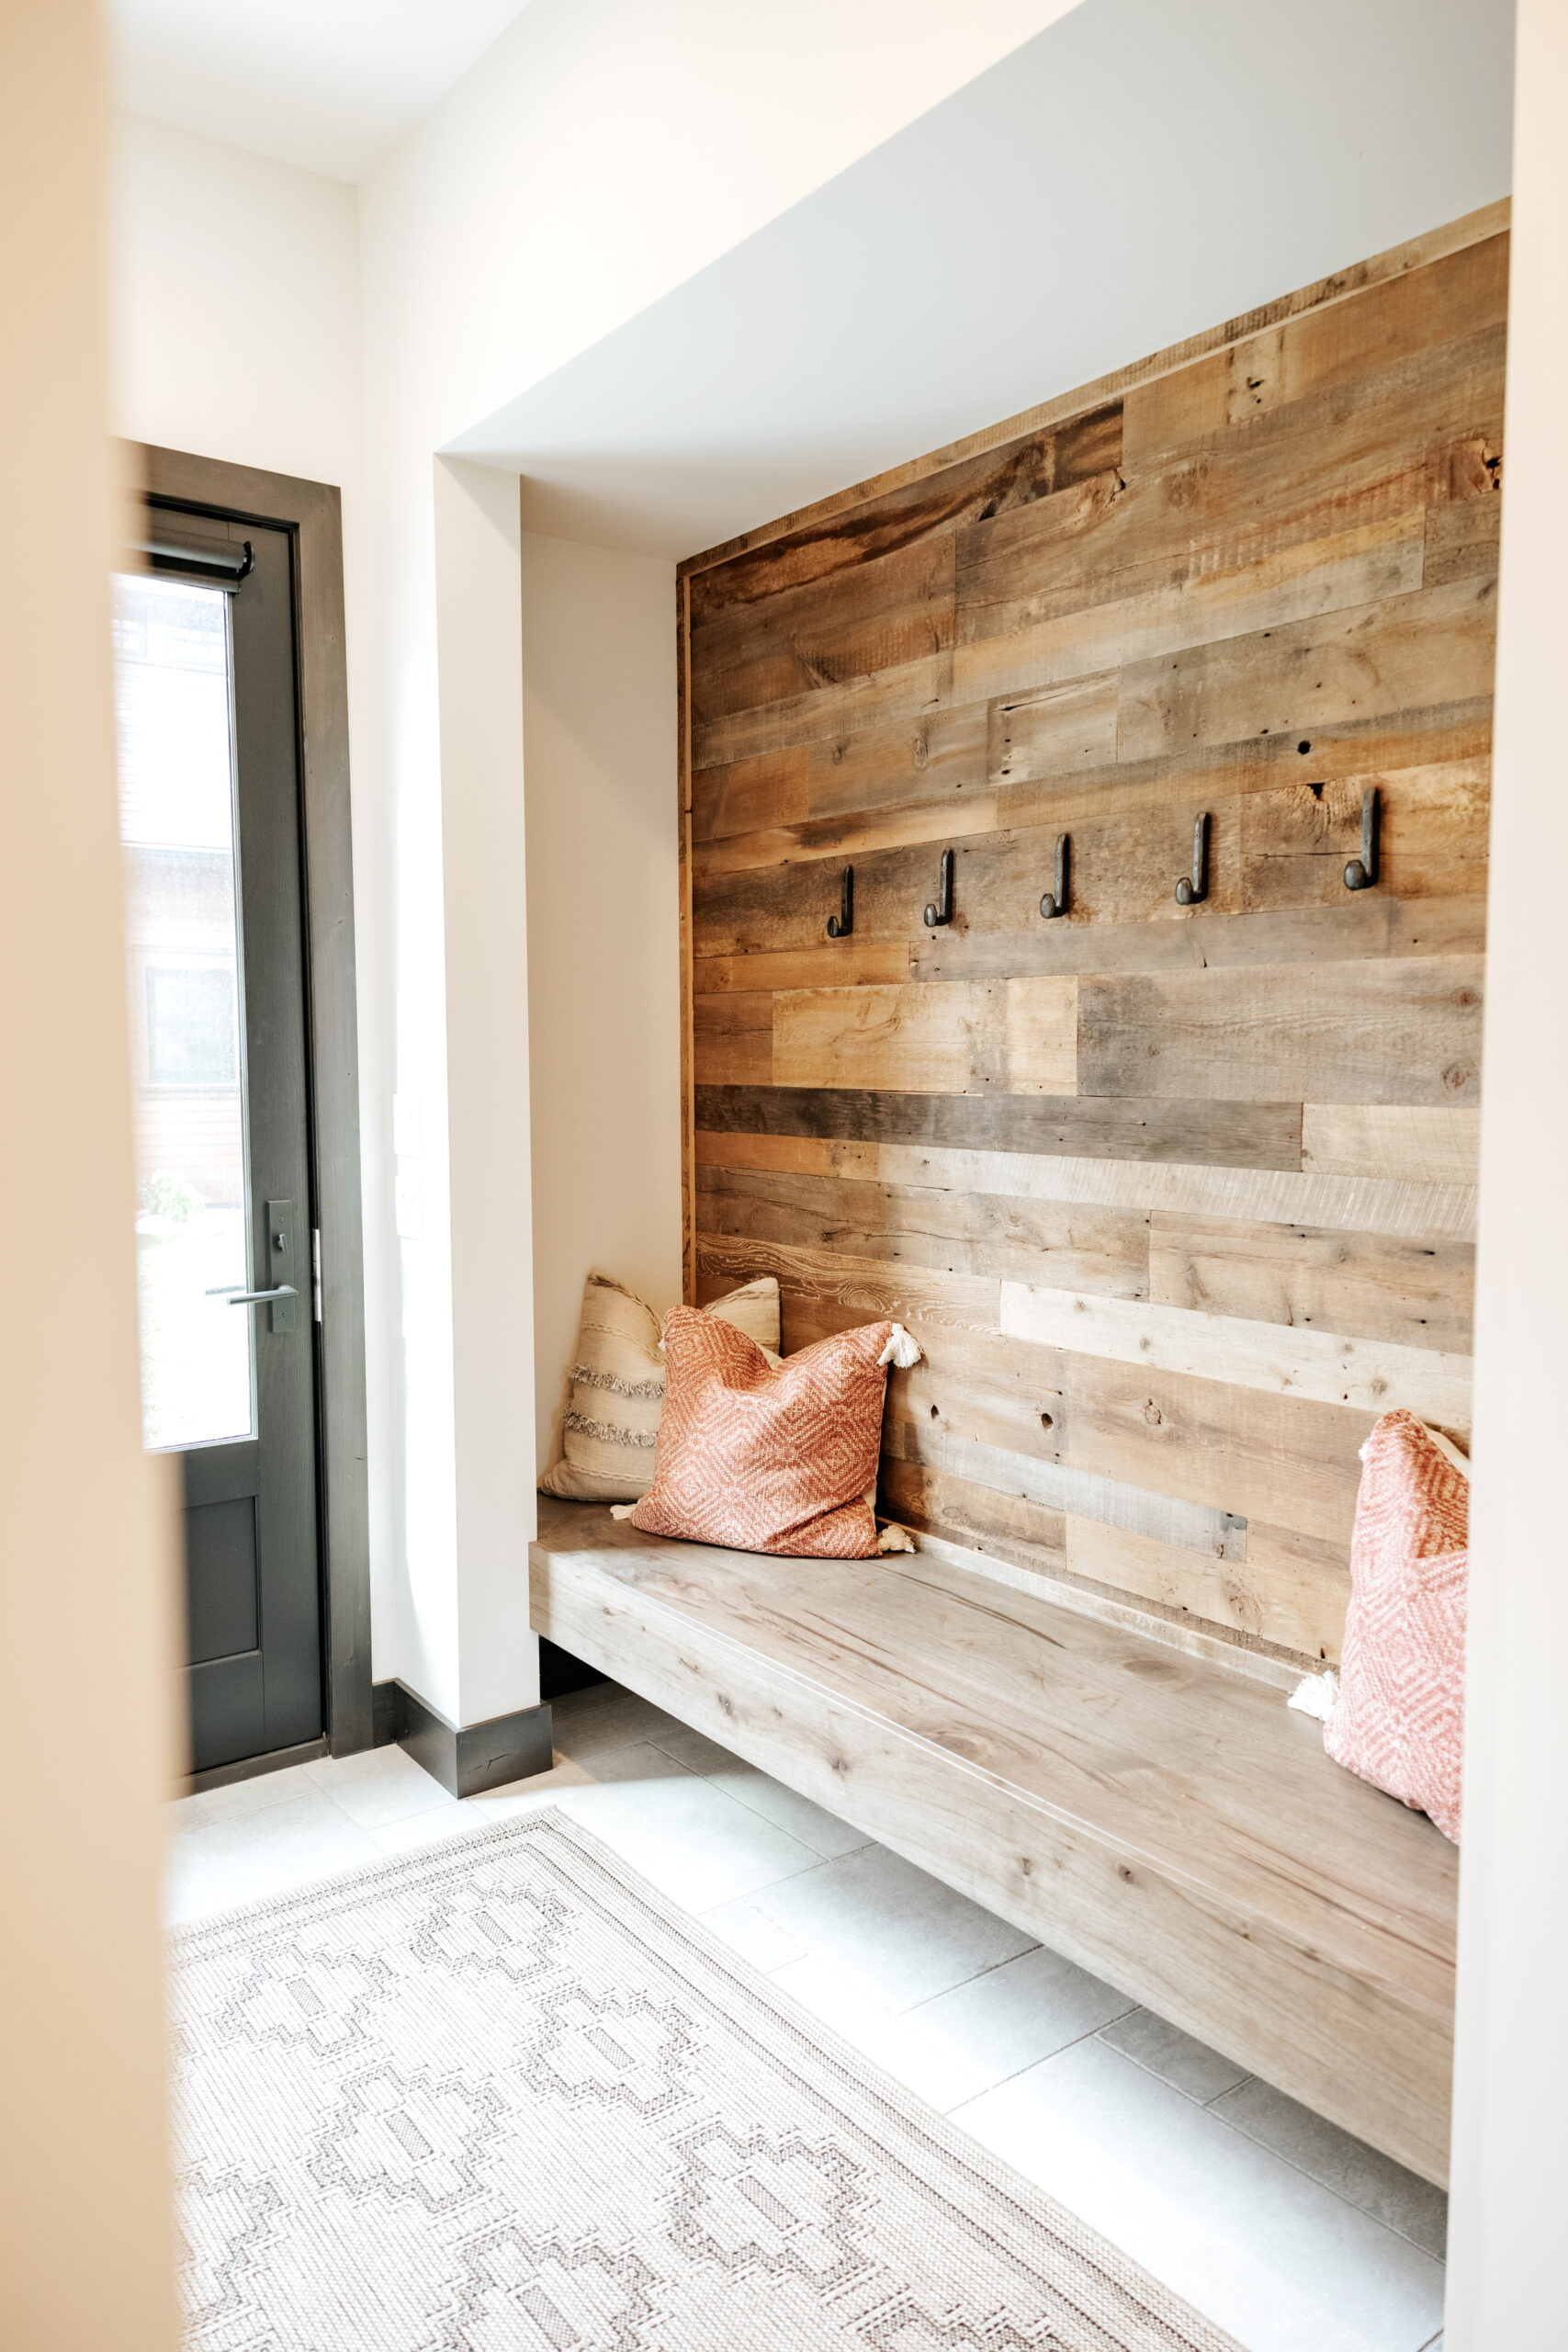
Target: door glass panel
<point>177,802</point>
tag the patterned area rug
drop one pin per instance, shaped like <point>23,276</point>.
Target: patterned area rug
<point>499,2096</point>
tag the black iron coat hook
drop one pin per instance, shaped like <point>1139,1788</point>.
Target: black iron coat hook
<point>840,925</point>
<point>1054,902</point>
<point>943,910</point>
<point>1362,871</point>
<point>1188,893</point>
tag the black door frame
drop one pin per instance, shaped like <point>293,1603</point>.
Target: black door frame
<point>312,513</point>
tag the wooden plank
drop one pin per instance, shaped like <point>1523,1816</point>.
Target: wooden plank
<point>1219,1134</point>
<point>1303,476</point>
<point>1345,285</point>
<point>1313,1278</point>
<point>1052,732</point>
<point>992,479</point>
<point>1392,1141</point>
<point>837,838</point>
<point>1433,1214</point>
<point>1296,584</point>
<point>1366,923</point>
<point>1219,1592</point>
<point>1432,836</point>
<point>1042,1035</point>
<point>850,963</point>
<point>1463,541</point>
<point>1387,655</point>
<point>1397,1029</point>
<point>1007,1526</point>
<point>870,618</point>
<point>1328,348</point>
<point>684,929</point>
<point>1057,1486</point>
<point>732,1039</point>
<point>860,1290</point>
<point>1368,1375</point>
<point>1092,1249</point>
<point>1306,1578</point>
<point>1152,1816</point>
<point>936,758</point>
<point>909,691</point>
<point>917,1040</point>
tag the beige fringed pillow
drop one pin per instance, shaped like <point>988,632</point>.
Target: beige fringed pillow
<point>615,1387</point>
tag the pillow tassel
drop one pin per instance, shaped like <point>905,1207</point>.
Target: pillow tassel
<point>902,1350</point>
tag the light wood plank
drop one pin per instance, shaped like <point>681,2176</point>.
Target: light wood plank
<point>1365,924</point>
<point>860,1289</point>
<point>1369,1376</point>
<point>1392,1142</point>
<point>1042,1035</point>
<point>917,1040</point>
<point>848,962</point>
<point>1365,1287</point>
<point>1396,1030</point>
<point>1217,1592</point>
<point>1056,1487</point>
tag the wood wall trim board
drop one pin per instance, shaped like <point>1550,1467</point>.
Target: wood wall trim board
<point>1402,1208</point>
<point>686,939</point>
<point>1027,1755</point>
<point>1217,1134</point>
<point>1394,1030</point>
<point>1368,1375</point>
<point>1382,270</point>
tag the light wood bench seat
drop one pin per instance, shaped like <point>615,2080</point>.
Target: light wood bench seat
<point>1166,1823</point>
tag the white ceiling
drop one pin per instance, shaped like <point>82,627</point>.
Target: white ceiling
<point>326,84</point>
<point>1136,173</point>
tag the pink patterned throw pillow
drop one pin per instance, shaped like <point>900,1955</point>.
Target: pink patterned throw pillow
<point>1399,1718</point>
<point>771,1460</point>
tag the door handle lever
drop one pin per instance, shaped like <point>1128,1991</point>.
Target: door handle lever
<point>254,1297</point>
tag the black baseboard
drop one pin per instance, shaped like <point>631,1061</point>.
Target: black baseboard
<point>483,1756</point>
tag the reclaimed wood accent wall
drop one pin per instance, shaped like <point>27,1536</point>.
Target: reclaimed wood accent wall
<point>1177,1199</point>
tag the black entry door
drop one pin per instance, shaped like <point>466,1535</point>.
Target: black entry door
<point>209,791</point>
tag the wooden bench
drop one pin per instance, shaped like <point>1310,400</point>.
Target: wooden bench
<point>1162,1820</point>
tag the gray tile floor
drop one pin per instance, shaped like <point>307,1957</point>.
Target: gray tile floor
<point>1291,2235</point>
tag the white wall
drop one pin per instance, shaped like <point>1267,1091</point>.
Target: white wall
<point>1510,2141</point>
<point>85,1584</point>
<point>603,971</point>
